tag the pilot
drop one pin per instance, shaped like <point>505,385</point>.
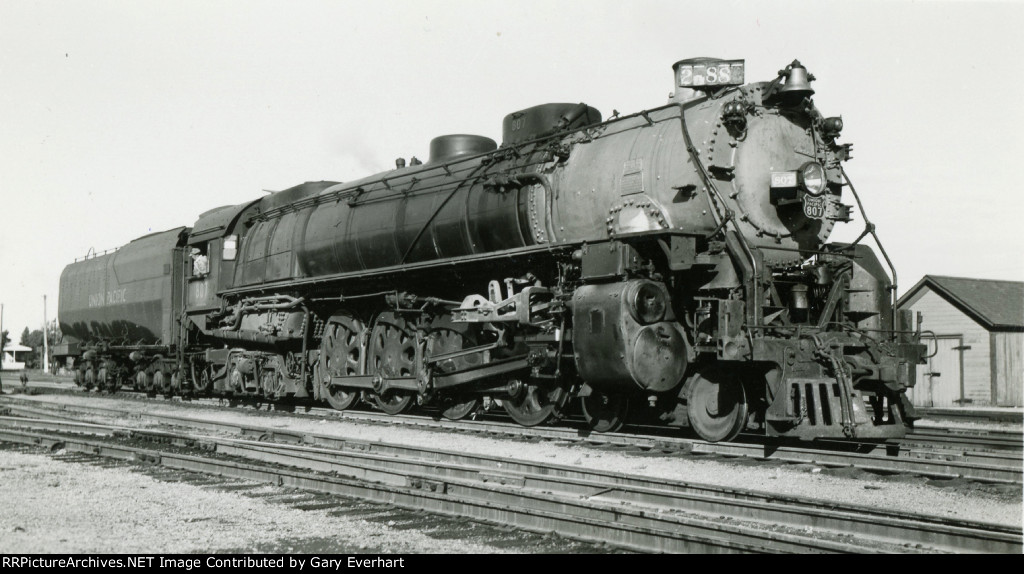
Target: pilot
<point>200,264</point>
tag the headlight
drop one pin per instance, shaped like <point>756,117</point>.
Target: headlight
<point>647,302</point>
<point>812,178</point>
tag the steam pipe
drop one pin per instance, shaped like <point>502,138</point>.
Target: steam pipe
<point>526,178</point>
<point>236,320</point>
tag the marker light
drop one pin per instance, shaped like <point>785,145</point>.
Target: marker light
<point>812,178</point>
<point>832,127</point>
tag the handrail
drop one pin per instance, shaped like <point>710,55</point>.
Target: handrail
<point>718,202</point>
<point>92,254</point>
<point>870,228</point>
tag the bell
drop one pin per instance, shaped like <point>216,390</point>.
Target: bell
<point>798,81</point>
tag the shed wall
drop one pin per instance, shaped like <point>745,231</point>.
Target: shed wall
<point>1008,368</point>
<point>943,318</point>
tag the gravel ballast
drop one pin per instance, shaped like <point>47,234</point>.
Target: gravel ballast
<point>899,493</point>
<point>56,506</point>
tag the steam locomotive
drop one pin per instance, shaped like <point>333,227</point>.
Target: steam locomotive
<point>667,266</point>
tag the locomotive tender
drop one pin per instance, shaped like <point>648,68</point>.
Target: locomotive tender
<point>669,265</point>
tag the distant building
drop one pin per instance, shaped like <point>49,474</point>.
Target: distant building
<point>979,341</point>
<point>15,357</point>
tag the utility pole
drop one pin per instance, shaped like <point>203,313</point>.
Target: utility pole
<point>46,343</point>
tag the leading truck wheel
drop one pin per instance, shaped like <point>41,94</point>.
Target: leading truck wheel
<point>716,406</point>
<point>531,403</point>
<point>605,412</point>
<point>459,407</point>
<point>201,383</point>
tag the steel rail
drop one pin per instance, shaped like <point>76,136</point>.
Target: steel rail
<point>383,462</point>
<point>1000,440</point>
<point>971,415</point>
<point>956,438</point>
<point>931,464</point>
<point>538,511</point>
<point>982,439</point>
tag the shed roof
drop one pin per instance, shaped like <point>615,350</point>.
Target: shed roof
<point>16,347</point>
<point>996,305</point>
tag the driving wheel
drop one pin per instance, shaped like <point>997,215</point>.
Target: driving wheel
<point>454,405</point>
<point>392,354</point>
<point>341,355</point>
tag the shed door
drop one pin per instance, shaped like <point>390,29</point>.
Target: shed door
<point>938,382</point>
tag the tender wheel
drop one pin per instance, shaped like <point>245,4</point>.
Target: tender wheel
<point>531,403</point>
<point>162,383</point>
<point>273,385</point>
<point>90,378</point>
<point>102,379</point>
<point>605,412</point>
<point>201,384</point>
<point>341,355</point>
<point>717,406</point>
<point>392,353</point>
<point>115,381</point>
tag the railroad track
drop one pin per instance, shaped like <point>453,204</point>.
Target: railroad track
<point>625,511</point>
<point>995,441</point>
<point>969,415</point>
<point>940,464</point>
<point>973,442</point>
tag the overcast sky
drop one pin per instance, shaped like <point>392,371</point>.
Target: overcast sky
<point>118,118</point>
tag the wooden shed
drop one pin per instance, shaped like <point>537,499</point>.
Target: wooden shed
<point>979,341</point>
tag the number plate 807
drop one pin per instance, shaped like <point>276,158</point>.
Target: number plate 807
<point>720,74</point>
